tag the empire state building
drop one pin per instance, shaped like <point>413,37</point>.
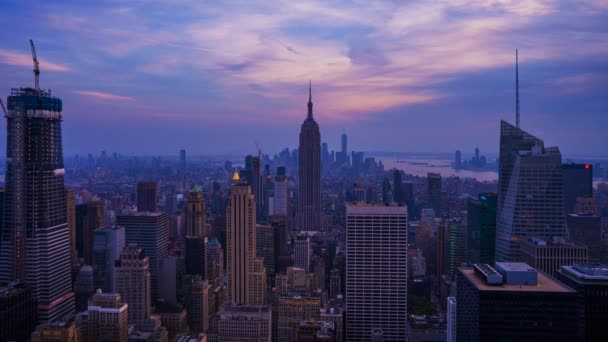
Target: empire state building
<point>309,173</point>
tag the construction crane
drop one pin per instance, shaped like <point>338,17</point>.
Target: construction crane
<point>36,67</point>
<point>259,149</point>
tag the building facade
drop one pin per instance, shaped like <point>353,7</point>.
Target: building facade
<point>132,282</point>
<point>549,255</point>
<point>481,228</point>
<point>108,242</point>
<point>108,318</point>
<point>147,196</point>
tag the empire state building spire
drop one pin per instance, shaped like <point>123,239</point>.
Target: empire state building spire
<point>309,116</point>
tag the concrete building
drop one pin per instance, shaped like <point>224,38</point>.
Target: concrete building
<point>265,247</point>
<point>376,248</point>
<point>107,318</point>
<point>578,182</point>
<point>513,302</point>
<point>590,281</point>
<point>243,268</point>
<point>302,252</point>
<point>290,310</point>
<point>451,317</point>
<point>281,195</point>
<point>315,331</point>
<point>150,231</point>
<point>243,323</point>
<point>89,217</point>
<point>586,229</point>
<point>530,191</point>
<point>132,282</point>
<point>198,312</point>
<point>309,173</point>
<point>84,287</point>
<point>71,221</point>
<point>549,255</point>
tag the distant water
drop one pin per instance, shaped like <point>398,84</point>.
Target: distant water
<point>421,166</point>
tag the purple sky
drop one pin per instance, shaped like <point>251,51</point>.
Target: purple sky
<point>151,77</point>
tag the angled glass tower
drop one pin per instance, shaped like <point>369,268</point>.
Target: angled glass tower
<point>530,191</point>
<point>34,242</point>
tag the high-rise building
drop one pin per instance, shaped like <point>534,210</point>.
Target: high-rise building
<point>132,281</point>
<point>315,331</point>
<point>18,311</point>
<point>457,246</point>
<point>196,241</point>
<point>149,231</point>
<point>71,220</point>
<point>84,287</point>
<point>451,316</point>
<point>590,281</point>
<point>481,228</point>
<point>256,185</point>
<point>586,229</point>
<point>434,192</point>
<point>513,302</point>
<point>244,323</point>
<point>198,312</point>
<point>578,182</point>
<point>147,196</point>
<point>280,194</point>
<point>107,318</point>
<point>344,144</point>
<point>397,187</point>
<point>458,160</point>
<point>376,248</point>
<point>242,264</point>
<point>174,282</point>
<point>302,252</point>
<point>88,218</point>
<point>309,173</point>
<point>530,191</point>
<point>108,242</point>
<point>265,246</point>
<point>35,239</point>
<point>549,255</point>
<point>281,252</point>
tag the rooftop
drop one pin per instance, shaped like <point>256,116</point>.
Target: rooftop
<point>545,283</point>
<point>588,273</point>
<point>374,209</point>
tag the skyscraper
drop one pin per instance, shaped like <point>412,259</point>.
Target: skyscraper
<point>530,191</point>
<point>309,173</point>
<point>578,182</point>
<point>35,240</point>
<point>108,318</point>
<point>248,323</point>
<point>18,311</point>
<point>149,231</point>
<point>434,191</point>
<point>147,196</point>
<point>88,218</point>
<point>587,229</point>
<point>549,255</point>
<point>481,232</point>
<point>108,242</point>
<point>397,187</point>
<point>302,253</point>
<point>197,257</point>
<point>376,271</point>
<point>71,220</point>
<point>242,261</point>
<point>132,281</point>
<point>280,193</point>
<point>198,312</point>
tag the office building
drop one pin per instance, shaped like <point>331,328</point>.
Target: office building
<point>244,323</point>
<point>281,252</point>
<point>132,282</point>
<point>281,194</point>
<point>84,287</point>
<point>434,192</point>
<point>265,246</point>
<point>451,316</point>
<point>173,280</point>
<point>530,191</point>
<point>457,252</point>
<point>195,213</point>
<point>398,196</point>
<point>108,318</point>
<point>302,252</point>
<point>586,229</point>
<point>18,312</point>
<point>549,255</point>
<point>147,196</point>
<point>590,281</point>
<point>108,242</point>
<point>513,302</point>
<point>481,228</point>
<point>71,220</point>
<point>315,331</point>
<point>197,255</point>
<point>243,267</point>
<point>150,231</point>
<point>290,310</point>
<point>309,173</point>
<point>89,217</point>
<point>70,330</point>
<point>198,312</point>
<point>174,318</point>
<point>578,182</point>
<point>376,248</point>
<point>35,239</point>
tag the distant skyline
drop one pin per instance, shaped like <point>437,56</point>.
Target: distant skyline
<point>152,77</point>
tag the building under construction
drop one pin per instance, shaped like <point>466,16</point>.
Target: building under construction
<point>34,241</point>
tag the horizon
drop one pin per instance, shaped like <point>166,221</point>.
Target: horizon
<point>385,78</point>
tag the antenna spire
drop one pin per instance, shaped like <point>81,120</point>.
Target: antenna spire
<point>309,116</point>
<point>516,89</point>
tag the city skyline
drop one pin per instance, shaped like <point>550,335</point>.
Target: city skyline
<point>373,74</point>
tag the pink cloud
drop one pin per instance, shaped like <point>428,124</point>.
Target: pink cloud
<point>103,96</point>
<point>25,60</point>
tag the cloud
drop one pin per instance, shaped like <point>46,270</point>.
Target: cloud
<point>25,60</point>
<point>103,96</point>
